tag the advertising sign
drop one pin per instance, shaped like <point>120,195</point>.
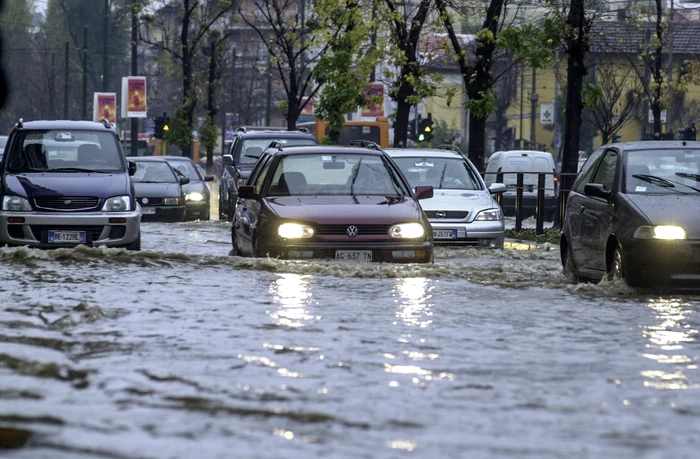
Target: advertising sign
<point>376,109</point>
<point>308,108</point>
<point>104,107</point>
<point>651,116</point>
<point>134,97</point>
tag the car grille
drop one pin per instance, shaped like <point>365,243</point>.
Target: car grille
<point>342,229</point>
<point>92,233</point>
<point>66,203</point>
<point>452,214</point>
<point>151,201</point>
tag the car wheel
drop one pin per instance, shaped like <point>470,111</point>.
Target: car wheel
<point>617,267</point>
<point>568,265</point>
<point>206,216</point>
<point>230,211</point>
<point>256,247</point>
<point>234,247</point>
<point>136,245</point>
<point>222,211</point>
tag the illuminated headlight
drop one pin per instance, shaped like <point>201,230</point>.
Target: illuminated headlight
<point>295,231</point>
<point>407,231</point>
<point>660,232</point>
<point>489,215</point>
<point>171,201</point>
<point>117,204</point>
<point>195,197</point>
<point>16,204</point>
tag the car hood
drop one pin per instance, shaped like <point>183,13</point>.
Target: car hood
<point>671,209</point>
<point>458,200</point>
<point>358,210</point>
<point>157,190</point>
<point>38,184</point>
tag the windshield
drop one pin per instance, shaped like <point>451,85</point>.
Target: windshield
<point>154,172</point>
<point>677,169</point>
<point>65,150</point>
<point>335,174</point>
<point>257,146</point>
<point>440,173</point>
<point>186,168</point>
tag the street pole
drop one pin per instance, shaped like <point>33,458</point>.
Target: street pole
<point>52,87</point>
<point>669,77</point>
<point>522,102</point>
<point>268,110</point>
<point>134,70</point>
<point>66,73</point>
<point>85,81</point>
<point>105,37</point>
<point>533,110</point>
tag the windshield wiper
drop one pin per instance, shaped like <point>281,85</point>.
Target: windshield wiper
<point>696,177</point>
<point>442,176</point>
<point>75,169</point>
<point>662,182</point>
<point>354,177</point>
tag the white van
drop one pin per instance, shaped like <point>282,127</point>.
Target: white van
<point>530,163</point>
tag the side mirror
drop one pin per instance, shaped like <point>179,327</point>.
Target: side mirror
<point>247,192</point>
<point>497,188</point>
<point>132,168</point>
<point>208,178</point>
<point>184,180</point>
<point>596,190</point>
<point>424,192</point>
<point>227,160</point>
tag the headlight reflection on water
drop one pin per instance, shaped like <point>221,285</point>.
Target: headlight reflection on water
<point>292,295</point>
<point>669,336</point>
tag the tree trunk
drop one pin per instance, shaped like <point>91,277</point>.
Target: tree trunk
<point>403,107</point>
<point>187,94</point>
<point>477,141</point>
<point>211,104</point>
<point>576,69</point>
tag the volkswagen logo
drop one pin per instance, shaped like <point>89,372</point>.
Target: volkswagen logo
<point>144,200</point>
<point>352,230</point>
<point>440,214</point>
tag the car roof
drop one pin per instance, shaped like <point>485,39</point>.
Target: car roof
<point>326,149</point>
<point>149,159</point>
<point>654,145</point>
<point>175,158</point>
<point>66,124</point>
<point>423,152</point>
<point>273,134</point>
<point>520,152</point>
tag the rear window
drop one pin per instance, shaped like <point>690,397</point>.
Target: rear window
<point>255,147</point>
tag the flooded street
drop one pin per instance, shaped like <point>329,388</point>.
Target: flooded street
<point>184,351</point>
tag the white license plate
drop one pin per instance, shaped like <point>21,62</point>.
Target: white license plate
<point>445,234</point>
<point>148,210</point>
<point>61,237</point>
<point>353,255</point>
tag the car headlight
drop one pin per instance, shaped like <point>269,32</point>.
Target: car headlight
<point>295,231</point>
<point>489,215</point>
<point>407,231</point>
<point>194,196</point>
<point>117,204</point>
<point>171,201</point>
<point>16,204</point>
<point>660,232</point>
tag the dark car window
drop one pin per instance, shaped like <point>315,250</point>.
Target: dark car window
<point>335,174</point>
<point>154,172</point>
<point>186,168</point>
<point>261,177</point>
<point>440,173</point>
<point>61,149</point>
<point>677,167</point>
<point>255,147</point>
<point>605,174</point>
<point>256,170</point>
<point>586,174</point>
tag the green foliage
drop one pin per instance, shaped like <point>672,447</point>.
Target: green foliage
<point>482,107</point>
<point>180,132</point>
<point>591,94</point>
<point>533,43</point>
<point>208,134</point>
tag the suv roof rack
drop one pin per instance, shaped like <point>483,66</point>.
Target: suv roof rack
<point>260,128</point>
<point>20,123</point>
<point>276,144</point>
<point>106,123</point>
<point>447,146</point>
<point>303,129</point>
<point>365,144</point>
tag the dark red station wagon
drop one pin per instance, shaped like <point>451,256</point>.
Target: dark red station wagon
<point>342,203</point>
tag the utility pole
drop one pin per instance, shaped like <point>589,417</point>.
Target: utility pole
<point>669,78</point>
<point>66,74</point>
<point>268,110</point>
<point>105,37</point>
<point>52,87</point>
<point>134,151</point>
<point>85,81</point>
<point>521,141</point>
<point>533,111</point>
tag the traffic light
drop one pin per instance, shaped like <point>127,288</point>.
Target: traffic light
<point>161,126</point>
<point>425,129</point>
<point>412,134</point>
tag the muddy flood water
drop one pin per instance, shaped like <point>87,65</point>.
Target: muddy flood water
<point>182,351</point>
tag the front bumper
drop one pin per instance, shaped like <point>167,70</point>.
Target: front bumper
<point>476,233</point>
<point>388,252</point>
<point>165,213</point>
<point>114,229</point>
<point>657,262</point>
<point>196,209</point>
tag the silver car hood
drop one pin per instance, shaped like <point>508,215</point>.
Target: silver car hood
<point>472,201</point>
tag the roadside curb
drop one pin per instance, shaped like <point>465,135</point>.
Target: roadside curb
<point>520,244</point>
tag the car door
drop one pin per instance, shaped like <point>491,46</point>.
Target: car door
<point>572,223</point>
<point>229,176</point>
<point>596,214</point>
<point>248,210</point>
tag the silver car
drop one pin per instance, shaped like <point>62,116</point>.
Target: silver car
<point>462,210</point>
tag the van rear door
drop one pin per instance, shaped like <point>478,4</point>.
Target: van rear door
<point>522,162</point>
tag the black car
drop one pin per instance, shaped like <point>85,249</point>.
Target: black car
<point>634,213</point>
<point>159,189</point>
<point>248,145</point>
<point>197,196</point>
